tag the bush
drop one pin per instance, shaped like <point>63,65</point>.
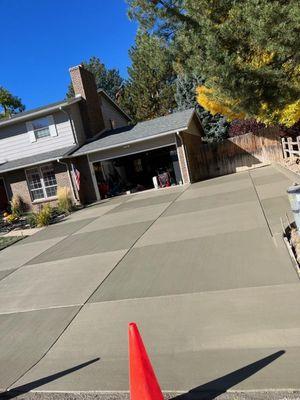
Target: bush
<point>17,205</point>
<point>31,220</point>
<point>64,200</point>
<point>44,216</point>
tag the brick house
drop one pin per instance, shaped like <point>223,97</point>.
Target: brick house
<point>40,148</point>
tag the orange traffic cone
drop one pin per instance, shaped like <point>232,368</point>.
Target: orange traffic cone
<point>143,382</point>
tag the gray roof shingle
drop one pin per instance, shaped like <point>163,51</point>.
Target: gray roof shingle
<point>142,130</point>
<point>32,112</point>
<point>36,159</point>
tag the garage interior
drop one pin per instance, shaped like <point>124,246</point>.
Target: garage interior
<point>135,172</point>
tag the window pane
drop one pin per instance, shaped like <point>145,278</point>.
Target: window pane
<point>40,133</point>
<point>37,194</point>
<point>49,180</point>
<point>51,191</point>
<point>40,123</point>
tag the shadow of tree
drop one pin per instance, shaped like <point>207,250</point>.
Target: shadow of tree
<point>215,388</point>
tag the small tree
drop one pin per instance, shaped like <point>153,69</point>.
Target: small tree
<point>9,104</point>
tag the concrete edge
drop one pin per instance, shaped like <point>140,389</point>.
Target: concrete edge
<point>276,394</point>
<point>292,255</point>
<point>293,176</point>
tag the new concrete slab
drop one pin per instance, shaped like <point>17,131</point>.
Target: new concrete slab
<point>57,230</point>
<point>236,217</point>
<point>276,208</point>
<point>144,202</point>
<point>139,214</point>
<point>5,273</point>
<point>93,211</point>
<point>56,283</point>
<point>191,339</point>
<point>110,239</point>
<point>19,254</point>
<point>198,265</point>
<point>26,337</point>
<point>209,202</point>
<point>214,292</point>
<point>217,190</point>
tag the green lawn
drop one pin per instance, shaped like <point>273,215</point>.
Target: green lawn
<point>7,241</point>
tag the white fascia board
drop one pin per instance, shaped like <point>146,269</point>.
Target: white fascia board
<point>34,114</point>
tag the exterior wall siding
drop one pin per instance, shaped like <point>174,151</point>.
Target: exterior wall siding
<point>87,191</point>
<point>109,112</point>
<point>15,141</point>
<point>193,145</point>
<point>182,161</point>
<point>77,123</point>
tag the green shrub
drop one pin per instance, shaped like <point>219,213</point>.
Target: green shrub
<point>64,200</point>
<point>31,220</point>
<point>44,216</point>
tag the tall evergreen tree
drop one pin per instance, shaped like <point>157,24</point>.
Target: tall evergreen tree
<point>9,104</point>
<point>247,51</point>
<point>106,79</point>
<point>149,92</point>
<point>215,126</point>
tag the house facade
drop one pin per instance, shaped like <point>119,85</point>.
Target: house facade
<point>89,134</point>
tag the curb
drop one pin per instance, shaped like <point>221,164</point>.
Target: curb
<point>271,394</point>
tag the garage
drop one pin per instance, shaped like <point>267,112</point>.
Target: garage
<point>138,172</point>
<point>151,154</point>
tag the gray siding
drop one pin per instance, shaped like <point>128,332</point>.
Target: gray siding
<point>15,141</point>
<point>78,125</point>
<point>111,113</point>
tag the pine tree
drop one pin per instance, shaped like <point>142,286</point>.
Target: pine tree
<point>106,79</point>
<point>149,92</point>
<point>9,104</point>
<point>215,126</point>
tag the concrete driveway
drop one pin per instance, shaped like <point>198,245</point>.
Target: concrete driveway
<point>202,270</point>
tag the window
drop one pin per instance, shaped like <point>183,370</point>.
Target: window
<point>42,182</point>
<point>41,128</point>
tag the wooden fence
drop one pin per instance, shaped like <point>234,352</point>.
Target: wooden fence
<point>237,154</point>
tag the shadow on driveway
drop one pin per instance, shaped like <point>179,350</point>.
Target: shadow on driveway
<point>40,382</point>
<point>215,388</point>
<point>208,391</point>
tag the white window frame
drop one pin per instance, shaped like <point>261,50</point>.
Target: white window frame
<point>44,187</point>
<point>32,132</point>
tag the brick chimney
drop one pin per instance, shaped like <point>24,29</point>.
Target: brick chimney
<point>84,84</point>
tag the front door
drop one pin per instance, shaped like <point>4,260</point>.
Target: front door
<point>3,195</point>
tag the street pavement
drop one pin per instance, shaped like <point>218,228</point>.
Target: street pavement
<point>202,270</point>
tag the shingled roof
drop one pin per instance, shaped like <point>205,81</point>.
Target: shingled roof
<point>36,159</point>
<point>142,130</point>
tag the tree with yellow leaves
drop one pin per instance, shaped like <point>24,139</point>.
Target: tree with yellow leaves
<point>247,52</point>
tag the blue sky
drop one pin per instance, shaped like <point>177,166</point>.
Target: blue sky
<point>41,39</point>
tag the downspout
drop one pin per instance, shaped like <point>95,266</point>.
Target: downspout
<point>185,155</point>
<point>70,178</point>
<point>75,141</point>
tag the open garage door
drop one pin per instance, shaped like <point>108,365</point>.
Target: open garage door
<point>137,172</point>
